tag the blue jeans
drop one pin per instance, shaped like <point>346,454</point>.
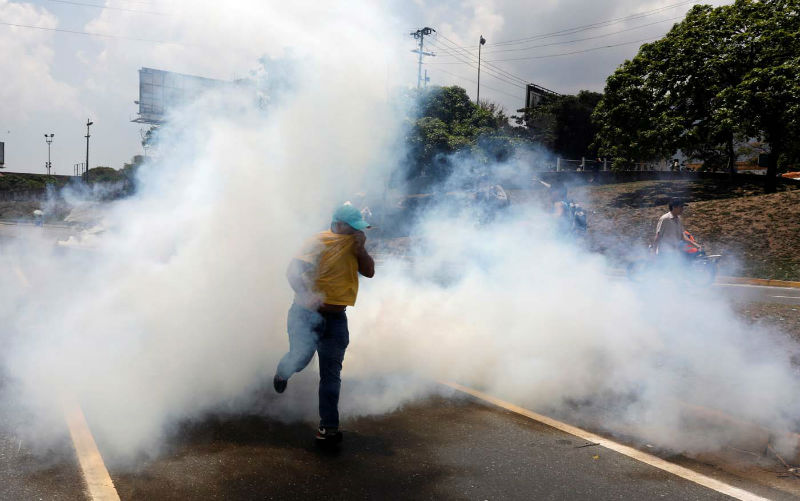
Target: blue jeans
<point>327,334</point>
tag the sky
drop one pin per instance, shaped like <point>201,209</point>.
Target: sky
<point>53,81</point>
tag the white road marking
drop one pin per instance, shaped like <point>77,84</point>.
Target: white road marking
<point>788,297</point>
<point>636,454</point>
<point>787,289</point>
<point>98,481</point>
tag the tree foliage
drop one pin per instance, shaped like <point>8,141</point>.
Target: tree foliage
<point>444,122</point>
<point>721,75</point>
<point>563,124</point>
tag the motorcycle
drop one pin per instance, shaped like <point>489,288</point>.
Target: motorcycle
<point>700,267</point>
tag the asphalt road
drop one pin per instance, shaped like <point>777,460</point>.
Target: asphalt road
<point>453,448</point>
<point>445,447</point>
<point>441,448</point>
<point>43,471</point>
<point>47,232</point>
<point>760,293</point>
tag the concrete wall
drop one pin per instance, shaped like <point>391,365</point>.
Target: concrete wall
<point>612,177</point>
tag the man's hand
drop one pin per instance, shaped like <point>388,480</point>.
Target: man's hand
<point>366,266</point>
<point>361,239</point>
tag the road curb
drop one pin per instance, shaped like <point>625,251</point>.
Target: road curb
<point>749,436</point>
<point>758,281</point>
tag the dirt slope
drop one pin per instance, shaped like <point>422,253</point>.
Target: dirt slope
<point>759,234</point>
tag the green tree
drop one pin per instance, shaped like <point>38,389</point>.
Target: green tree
<point>628,127</point>
<point>445,121</point>
<point>565,124</point>
<point>720,76</point>
<point>767,100</point>
<point>129,169</point>
<point>663,100</point>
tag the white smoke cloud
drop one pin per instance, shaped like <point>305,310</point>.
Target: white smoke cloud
<point>545,325</point>
<point>180,308</point>
<point>181,305</point>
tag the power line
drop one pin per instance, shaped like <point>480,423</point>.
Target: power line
<point>577,29</point>
<point>473,63</point>
<point>454,46</point>
<point>599,24</point>
<point>577,51</point>
<point>97,6</point>
<point>101,35</point>
<point>546,56</point>
<point>491,73</point>
<point>506,74</point>
<point>576,40</point>
<point>474,82</point>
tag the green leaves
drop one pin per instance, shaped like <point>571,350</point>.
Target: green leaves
<point>447,122</point>
<point>722,74</point>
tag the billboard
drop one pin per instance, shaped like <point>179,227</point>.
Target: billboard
<point>536,95</point>
<point>160,91</point>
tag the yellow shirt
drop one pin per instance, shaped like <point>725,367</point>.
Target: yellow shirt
<point>336,267</point>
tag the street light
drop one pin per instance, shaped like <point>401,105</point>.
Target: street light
<point>49,140</point>
<point>89,123</point>
<point>478,97</point>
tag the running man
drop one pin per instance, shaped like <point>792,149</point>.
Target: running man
<point>325,281</point>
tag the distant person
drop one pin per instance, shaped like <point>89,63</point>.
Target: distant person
<point>325,281</point>
<point>670,235</point>
<point>558,200</point>
<point>491,201</point>
<point>570,217</point>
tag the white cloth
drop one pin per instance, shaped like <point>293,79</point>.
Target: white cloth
<point>670,232</point>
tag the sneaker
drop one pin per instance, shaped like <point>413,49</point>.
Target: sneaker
<point>328,436</point>
<point>279,383</point>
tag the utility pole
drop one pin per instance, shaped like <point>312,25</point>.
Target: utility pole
<point>86,171</point>
<point>48,139</point>
<point>420,35</point>
<point>480,44</point>
<point>427,78</point>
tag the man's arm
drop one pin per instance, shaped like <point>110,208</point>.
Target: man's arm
<point>299,276</point>
<point>690,241</point>
<point>366,265</point>
<point>657,238</point>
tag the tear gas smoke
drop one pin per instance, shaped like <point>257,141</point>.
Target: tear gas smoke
<point>179,308</point>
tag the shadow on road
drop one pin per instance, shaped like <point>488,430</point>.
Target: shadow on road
<point>257,457</point>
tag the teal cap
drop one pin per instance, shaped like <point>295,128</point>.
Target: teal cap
<point>350,215</point>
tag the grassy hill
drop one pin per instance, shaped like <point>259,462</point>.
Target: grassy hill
<point>759,234</point>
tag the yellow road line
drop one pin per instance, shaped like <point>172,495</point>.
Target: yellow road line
<point>758,281</point>
<point>22,278</point>
<point>98,481</point>
<point>644,457</point>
